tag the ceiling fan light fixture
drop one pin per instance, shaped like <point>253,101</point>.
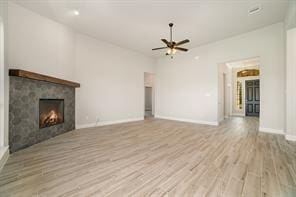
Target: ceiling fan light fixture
<point>174,51</point>
<point>171,45</point>
<point>171,51</point>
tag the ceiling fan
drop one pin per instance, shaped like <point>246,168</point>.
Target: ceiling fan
<point>171,45</point>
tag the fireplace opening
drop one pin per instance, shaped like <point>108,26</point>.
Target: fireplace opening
<point>51,112</point>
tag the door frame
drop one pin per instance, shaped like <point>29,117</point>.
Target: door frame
<point>2,87</point>
<point>231,87</point>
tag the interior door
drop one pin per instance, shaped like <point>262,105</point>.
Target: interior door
<point>252,97</point>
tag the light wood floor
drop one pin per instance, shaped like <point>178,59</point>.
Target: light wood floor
<point>156,158</point>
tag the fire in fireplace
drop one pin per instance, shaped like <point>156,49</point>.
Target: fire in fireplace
<point>51,112</point>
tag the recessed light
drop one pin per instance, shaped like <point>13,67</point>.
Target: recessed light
<point>76,12</point>
<point>196,57</point>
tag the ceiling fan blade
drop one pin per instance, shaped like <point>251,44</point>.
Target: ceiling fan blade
<point>180,49</point>
<point>166,42</point>
<point>182,42</point>
<point>159,48</point>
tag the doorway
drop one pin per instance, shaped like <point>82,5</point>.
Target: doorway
<point>149,94</point>
<point>239,88</point>
<point>148,102</point>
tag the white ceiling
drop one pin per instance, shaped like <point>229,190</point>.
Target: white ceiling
<point>140,24</point>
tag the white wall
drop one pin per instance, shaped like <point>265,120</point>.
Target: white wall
<point>291,85</point>
<point>223,92</point>
<point>290,20</point>
<point>290,24</point>
<point>187,88</point>
<point>112,82</point>
<point>149,79</point>
<point>111,78</point>
<point>39,44</point>
<point>4,86</point>
<point>4,77</point>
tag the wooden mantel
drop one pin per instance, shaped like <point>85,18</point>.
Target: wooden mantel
<point>40,77</point>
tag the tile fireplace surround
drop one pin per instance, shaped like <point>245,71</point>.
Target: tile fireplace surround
<point>25,91</point>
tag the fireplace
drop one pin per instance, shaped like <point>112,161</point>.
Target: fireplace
<point>40,107</point>
<point>51,112</point>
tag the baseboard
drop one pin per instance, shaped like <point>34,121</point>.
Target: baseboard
<point>270,130</point>
<point>188,120</point>
<point>104,123</point>
<point>4,154</point>
<point>239,115</point>
<point>82,126</point>
<point>290,137</point>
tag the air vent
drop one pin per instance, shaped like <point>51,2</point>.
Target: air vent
<point>255,9</point>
